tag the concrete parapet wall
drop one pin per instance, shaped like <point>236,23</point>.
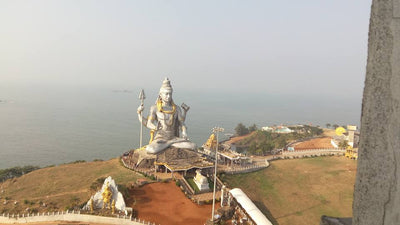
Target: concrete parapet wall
<point>377,187</point>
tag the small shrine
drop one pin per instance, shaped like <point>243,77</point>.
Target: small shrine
<point>201,181</point>
<point>108,198</point>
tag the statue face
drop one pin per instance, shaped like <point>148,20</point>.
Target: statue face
<point>166,95</point>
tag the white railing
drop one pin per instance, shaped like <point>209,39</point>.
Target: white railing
<point>69,216</point>
<point>315,150</point>
<point>245,169</point>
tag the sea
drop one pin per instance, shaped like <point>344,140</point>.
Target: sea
<point>51,125</point>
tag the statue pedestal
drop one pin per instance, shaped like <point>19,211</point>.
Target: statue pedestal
<point>202,186</point>
<point>142,159</point>
<point>174,159</point>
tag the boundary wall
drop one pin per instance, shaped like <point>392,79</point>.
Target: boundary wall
<point>69,216</point>
<point>311,152</point>
<point>246,169</point>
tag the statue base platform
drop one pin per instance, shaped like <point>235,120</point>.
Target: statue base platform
<point>174,159</point>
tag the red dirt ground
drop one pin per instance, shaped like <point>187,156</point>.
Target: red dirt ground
<point>324,142</point>
<point>165,203</point>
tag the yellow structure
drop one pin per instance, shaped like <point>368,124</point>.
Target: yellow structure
<point>107,194</point>
<point>91,205</point>
<point>211,142</point>
<point>340,131</point>
<point>351,153</point>
<point>113,207</point>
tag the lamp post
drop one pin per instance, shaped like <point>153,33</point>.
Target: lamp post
<point>215,130</point>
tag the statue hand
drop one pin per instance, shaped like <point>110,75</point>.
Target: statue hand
<point>185,107</point>
<point>184,135</point>
<point>140,109</point>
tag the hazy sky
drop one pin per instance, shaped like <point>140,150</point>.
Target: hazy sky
<point>289,47</point>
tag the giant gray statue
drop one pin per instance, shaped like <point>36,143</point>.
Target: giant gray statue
<point>166,122</point>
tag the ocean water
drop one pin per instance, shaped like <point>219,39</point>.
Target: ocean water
<point>53,125</point>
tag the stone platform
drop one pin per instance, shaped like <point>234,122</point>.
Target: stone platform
<point>174,159</point>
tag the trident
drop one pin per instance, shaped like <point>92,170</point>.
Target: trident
<point>142,96</point>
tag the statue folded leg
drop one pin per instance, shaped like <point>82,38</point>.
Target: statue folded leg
<point>159,145</point>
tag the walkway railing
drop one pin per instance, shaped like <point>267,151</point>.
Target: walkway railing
<point>69,216</point>
<point>315,150</point>
<point>185,185</point>
<point>245,169</point>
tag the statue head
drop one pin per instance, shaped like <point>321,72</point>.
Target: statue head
<point>166,91</point>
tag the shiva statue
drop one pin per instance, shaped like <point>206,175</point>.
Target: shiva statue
<point>166,121</point>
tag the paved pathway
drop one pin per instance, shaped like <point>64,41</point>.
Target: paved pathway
<point>206,196</point>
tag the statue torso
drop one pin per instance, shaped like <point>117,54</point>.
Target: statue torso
<point>167,122</point>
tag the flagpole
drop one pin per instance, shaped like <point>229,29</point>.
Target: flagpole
<point>215,130</point>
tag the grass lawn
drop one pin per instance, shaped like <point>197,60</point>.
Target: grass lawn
<point>300,191</point>
<point>60,187</point>
<point>192,184</point>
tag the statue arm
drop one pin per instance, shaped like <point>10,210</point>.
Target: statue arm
<point>184,134</point>
<point>140,116</point>
<point>152,118</point>
<point>181,118</point>
<point>149,122</point>
<point>185,109</point>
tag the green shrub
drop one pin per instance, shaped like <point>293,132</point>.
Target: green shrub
<point>124,190</point>
<point>97,184</point>
<point>16,172</point>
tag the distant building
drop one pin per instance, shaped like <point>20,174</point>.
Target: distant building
<point>227,154</point>
<point>278,129</point>
<point>270,129</point>
<point>350,137</point>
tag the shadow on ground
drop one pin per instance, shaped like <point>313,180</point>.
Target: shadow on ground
<point>266,212</point>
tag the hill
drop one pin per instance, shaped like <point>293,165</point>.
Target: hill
<point>62,187</point>
<point>263,142</point>
<point>300,191</point>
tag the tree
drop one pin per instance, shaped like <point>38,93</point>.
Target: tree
<point>315,131</point>
<point>252,148</point>
<point>335,126</point>
<point>343,144</point>
<point>252,128</point>
<point>241,129</point>
<point>328,125</point>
